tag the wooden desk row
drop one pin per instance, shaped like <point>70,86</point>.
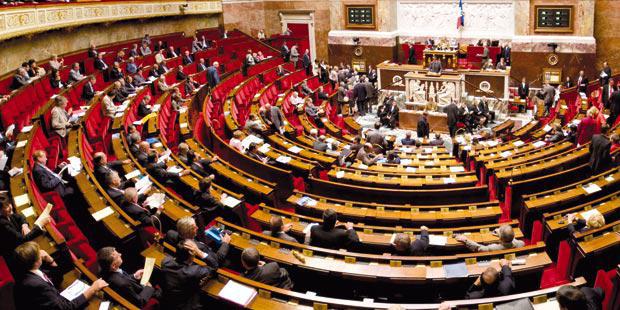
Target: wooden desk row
<point>404,215</point>
<point>377,239</point>
<point>398,180</point>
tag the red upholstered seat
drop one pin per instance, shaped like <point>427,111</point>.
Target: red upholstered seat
<point>604,280</point>
<point>557,274</point>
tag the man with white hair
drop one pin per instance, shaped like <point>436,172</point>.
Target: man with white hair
<point>506,237</point>
<point>320,144</point>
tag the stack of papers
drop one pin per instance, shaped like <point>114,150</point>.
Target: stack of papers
<point>283,159</point>
<point>437,240</point>
<point>264,148</point>
<point>410,169</point>
<point>340,174</point>
<point>458,270</point>
<point>103,213</point>
<point>547,128</point>
<point>587,214</point>
<point>591,188</point>
<point>362,166</point>
<point>237,293</point>
<point>230,201</point>
<point>294,149</point>
<point>457,169</point>
<point>449,180</point>
<point>16,171</point>
<point>405,162</point>
<point>539,144</point>
<point>3,159</point>
<point>21,143</point>
<point>518,143</point>
<point>505,154</point>
<point>155,200</point>
<point>21,200</point>
<point>74,290</point>
<point>251,139</point>
<point>26,128</point>
<point>143,184</point>
<point>132,174</point>
<point>164,156</point>
<point>174,169</point>
<point>306,201</point>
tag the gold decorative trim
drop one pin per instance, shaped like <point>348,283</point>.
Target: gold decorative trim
<point>29,20</point>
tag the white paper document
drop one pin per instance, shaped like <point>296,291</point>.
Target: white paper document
<point>294,149</point>
<point>405,162</point>
<point>132,174</point>
<point>591,188</point>
<point>103,213</point>
<point>3,160</point>
<point>174,169</point>
<point>587,214</point>
<point>21,143</point>
<point>237,293</point>
<point>505,154</point>
<point>149,263</point>
<point>362,166</point>
<point>283,159</point>
<point>518,143</point>
<point>457,169</point>
<point>16,171</point>
<point>74,290</point>
<point>340,174</point>
<point>155,200</point>
<point>264,148</point>
<point>21,200</point>
<point>449,180</point>
<point>410,169</point>
<point>539,144</point>
<point>437,240</point>
<point>26,128</point>
<point>230,201</point>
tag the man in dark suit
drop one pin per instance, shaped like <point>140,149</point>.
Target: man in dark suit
<point>411,57</point>
<point>492,283</point>
<point>182,278</point>
<point>126,285</point>
<point>102,167</point>
<point>88,91</point>
<point>14,230</point>
<point>608,90</point>
<point>320,144</point>
<point>453,116</point>
<point>100,63</point>
<point>435,66</point>
<point>276,117</point>
<point>393,115</point>
<point>138,78</point>
<point>570,297</point>
<point>407,140</point>
<point>285,52</point>
<point>483,109</point>
<point>131,205</point>
<point>187,230</point>
<point>600,147</point>
<point>307,62</point>
<point>524,89</point>
<point>201,65</point>
<point>203,198</point>
<point>549,97</point>
<point>159,172</point>
<point>326,235</point>
<point>36,291</point>
<point>582,83</point>
<point>187,58</point>
<point>20,79</point>
<point>404,246</point>
<point>181,76</point>
<point>423,128</point>
<point>614,107</point>
<point>267,273</point>
<point>213,77</point>
<point>605,74</point>
<point>113,188</point>
<point>48,180</point>
<point>359,95</point>
<point>278,229</point>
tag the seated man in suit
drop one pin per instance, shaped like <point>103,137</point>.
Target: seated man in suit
<point>88,91</point>
<point>142,155</point>
<point>366,156</point>
<point>36,291</point>
<point>197,163</point>
<point>59,120</point>
<point>326,235</point>
<point>126,285</point>
<point>407,140</point>
<point>506,236</point>
<point>321,94</point>
<point>135,209</point>
<point>278,229</point>
<point>159,172</point>
<point>181,76</point>
<point>182,278</point>
<point>102,167</point>
<point>21,78</point>
<point>14,230</point>
<point>144,107</point>
<point>404,246</point>
<point>570,297</point>
<point>267,273</point>
<point>203,198</point>
<point>75,75</point>
<point>138,78</point>
<point>48,180</point>
<point>187,58</point>
<point>113,187</point>
<point>492,283</point>
<point>100,63</point>
<point>201,65</point>
<point>187,230</point>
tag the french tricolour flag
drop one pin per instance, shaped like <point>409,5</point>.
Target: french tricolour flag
<point>460,22</point>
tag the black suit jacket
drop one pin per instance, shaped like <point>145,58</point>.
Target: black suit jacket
<point>605,80</point>
<point>606,96</point>
<point>116,74</point>
<point>583,86</point>
<point>187,60</point>
<point>158,171</point>
<point>35,293</point>
<point>594,297</point>
<point>181,76</point>
<point>137,212</point>
<point>88,91</point>
<point>417,247</point>
<point>181,284</point>
<point>100,64</point>
<point>214,258</point>
<point>453,114</point>
<point>128,287</point>
<point>411,58</point>
<point>11,232</point>
<point>48,182</point>
<point>523,91</point>
<point>599,153</point>
<point>206,201</point>
<point>423,129</point>
<point>143,110</point>
<point>270,274</point>
<point>504,286</point>
<point>335,238</point>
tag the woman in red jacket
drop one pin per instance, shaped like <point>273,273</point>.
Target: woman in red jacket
<point>588,127</point>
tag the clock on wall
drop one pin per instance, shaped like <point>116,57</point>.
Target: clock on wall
<point>358,51</point>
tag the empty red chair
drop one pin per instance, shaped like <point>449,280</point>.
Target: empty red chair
<point>558,274</point>
<point>604,280</point>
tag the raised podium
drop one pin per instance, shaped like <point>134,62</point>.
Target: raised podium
<point>448,58</point>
